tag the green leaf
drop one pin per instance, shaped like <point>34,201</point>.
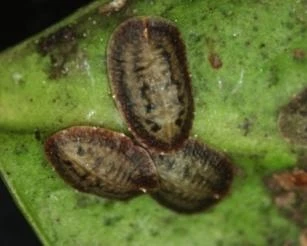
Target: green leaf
<point>59,79</point>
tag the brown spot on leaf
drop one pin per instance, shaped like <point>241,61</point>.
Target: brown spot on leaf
<point>215,60</point>
<point>299,54</point>
<point>65,35</point>
<point>297,179</point>
<point>62,49</point>
<point>289,193</point>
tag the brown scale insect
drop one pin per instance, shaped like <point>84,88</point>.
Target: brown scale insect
<point>193,178</point>
<point>150,81</point>
<point>102,162</point>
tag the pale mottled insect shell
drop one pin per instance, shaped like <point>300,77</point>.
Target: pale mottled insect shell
<point>149,78</point>
<point>192,179</point>
<point>102,162</point>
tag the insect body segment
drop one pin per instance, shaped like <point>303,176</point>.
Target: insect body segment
<point>149,77</point>
<point>193,178</point>
<point>102,162</point>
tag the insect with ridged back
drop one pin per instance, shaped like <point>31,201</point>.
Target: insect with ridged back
<point>150,81</point>
<point>101,162</point>
<point>193,178</point>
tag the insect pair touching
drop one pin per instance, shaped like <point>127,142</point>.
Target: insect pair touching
<point>151,86</point>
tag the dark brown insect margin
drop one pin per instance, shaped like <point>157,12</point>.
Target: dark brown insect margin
<point>102,162</point>
<point>151,85</point>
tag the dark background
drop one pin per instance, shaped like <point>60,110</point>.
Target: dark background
<point>19,20</point>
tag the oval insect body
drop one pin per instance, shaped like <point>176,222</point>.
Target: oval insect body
<point>193,178</point>
<point>149,78</point>
<point>102,162</point>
